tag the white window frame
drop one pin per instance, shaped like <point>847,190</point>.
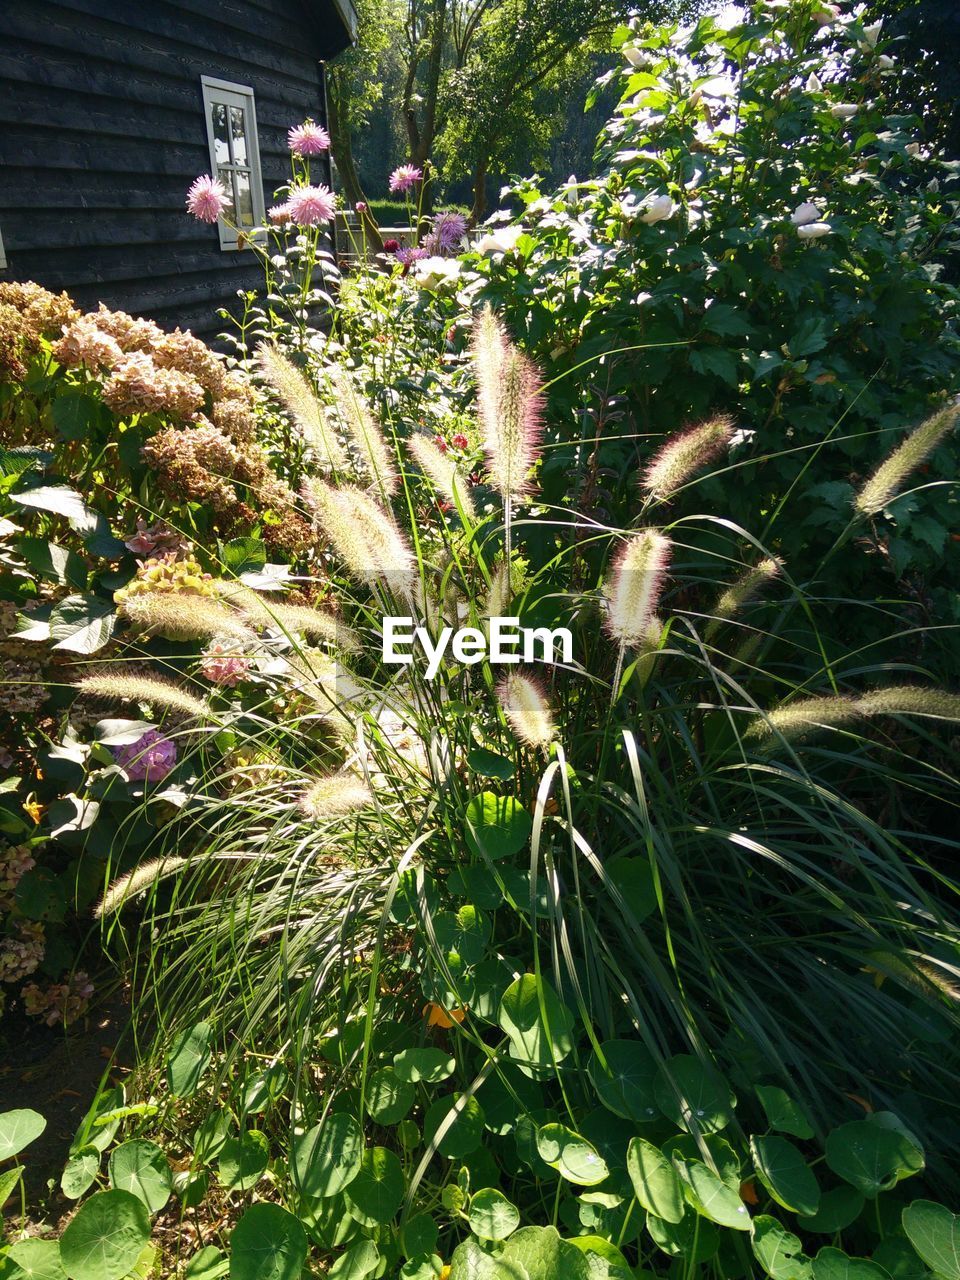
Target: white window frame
<point>226,93</point>
<point>3,256</point>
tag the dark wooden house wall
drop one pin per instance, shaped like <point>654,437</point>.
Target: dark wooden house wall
<point>102,130</point>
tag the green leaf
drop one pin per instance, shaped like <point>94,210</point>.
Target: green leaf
<point>141,1168</point>
<point>82,624</point>
<point>573,1157</point>
<point>59,500</point>
<point>243,555</point>
<point>268,1243</point>
<point>492,1216</point>
<point>41,895</point>
<point>465,1130</point>
<point>490,765</point>
<point>8,1181</point>
<point>36,1259</point>
<point>634,878</point>
<point>782,1112</point>
<point>470,1262</point>
<point>327,1157</point>
<point>694,1095</point>
<point>871,1156</point>
<point>713,1198</point>
<point>716,360</point>
<point>537,1022</point>
<point>778,1251</point>
<point>50,560</point>
<point>419,1235</point>
<point>388,1097</point>
<point>935,1234</point>
<point>376,1193</point>
<point>74,414</point>
<point>625,1085</point>
<point>497,826</point>
<point>839,1207</point>
<point>208,1263</point>
<point>785,1174</point>
<point>355,1263</point>
<point>693,1238</point>
<point>833,1264</point>
<point>538,1253</point>
<point>80,1172</point>
<point>189,1058</point>
<point>18,1129</point>
<point>105,1237</point>
<point>427,1066</point>
<point>243,1161</point>
<point>656,1182</point>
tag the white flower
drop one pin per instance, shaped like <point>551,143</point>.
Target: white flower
<point>638,58</point>
<point>502,241</point>
<point>826,14</point>
<point>436,273</point>
<point>933,185</point>
<point>814,83</point>
<point>872,34</point>
<point>912,149</point>
<point>814,230</point>
<point>804,214</point>
<point>656,208</point>
<point>844,110</point>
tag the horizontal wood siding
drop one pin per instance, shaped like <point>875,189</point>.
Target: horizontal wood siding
<point>102,130</point>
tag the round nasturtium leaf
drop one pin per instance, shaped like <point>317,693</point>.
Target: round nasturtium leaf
<point>427,1066</point>
<point>105,1237</point>
<point>538,1024</point>
<point>782,1112</point>
<point>634,879</point>
<point>268,1243</point>
<point>18,1129</point>
<point>871,1155</point>
<point>459,1133</point>
<point>357,1262</point>
<point>839,1207</point>
<point>143,1169</point>
<point>694,1095</point>
<point>935,1234</point>
<point>243,1160</point>
<point>189,1058</point>
<point>376,1193</point>
<point>656,1182</point>
<point>713,1198</point>
<point>573,1157</point>
<point>722,1157</point>
<point>778,1250</point>
<point>785,1174</point>
<point>625,1085</point>
<point>834,1264</point>
<point>492,1216</point>
<point>327,1157</point>
<point>36,1260</point>
<point>693,1238</point>
<point>388,1097</point>
<point>80,1172</point>
<point>496,826</point>
<point>419,1235</point>
<point>465,933</point>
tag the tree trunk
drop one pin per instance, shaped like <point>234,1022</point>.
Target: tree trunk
<point>479,192</point>
<point>338,119</point>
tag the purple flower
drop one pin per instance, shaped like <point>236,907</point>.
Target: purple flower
<point>149,759</point>
<point>310,205</point>
<point>407,256</point>
<point>207,198</point>
<point>308,139</point>
<point>449,228</point>
<point>405,177</point>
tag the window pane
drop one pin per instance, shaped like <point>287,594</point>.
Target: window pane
<point>218,122</point>
<point>244,199</point>
<point>239,136</point>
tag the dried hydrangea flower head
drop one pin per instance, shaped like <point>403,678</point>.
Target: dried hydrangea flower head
<point>84,343</point>
<point>137,385</point>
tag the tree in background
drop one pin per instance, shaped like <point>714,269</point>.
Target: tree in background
<point>928,53</point>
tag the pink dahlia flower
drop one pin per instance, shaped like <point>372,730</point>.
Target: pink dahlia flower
<point>405,177</point>
<point>279,215</point>
<point>308,139</point>
<point>207,198</point>
<point>149,759</point>
<point>310,205</point>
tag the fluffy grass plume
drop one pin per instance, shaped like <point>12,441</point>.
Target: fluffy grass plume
<point>334,796</point>
<point>683,455</point>
<point>443,473</point>
<point>182,615</point>
<point>315,624</point>
<point>806,715</point>
<point>509,404</point>
<point>910,700</point>
<point>365,432</point>
<point>746,588</point>
<point>633,588</point>
<point>366,537</point>
<point>298,397</point>
<point>136,882</point>
<point>153,690</point>
<point>888,479</point>
<point>527,710</point>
